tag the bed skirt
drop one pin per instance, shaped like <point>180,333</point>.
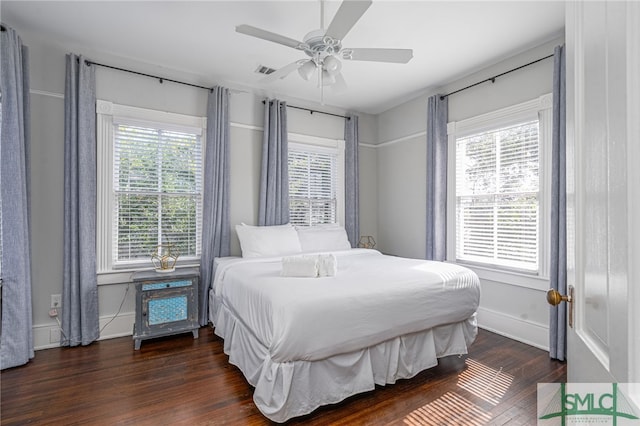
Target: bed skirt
<point>289,389</point>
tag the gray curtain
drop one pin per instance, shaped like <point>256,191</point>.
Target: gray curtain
<point>558,264</point>
<point>215,209</point>
<point>437,116</point>
<point>17,332</point>
<point>351,182</point>
<point>274,176</point>
<point>79,287</point>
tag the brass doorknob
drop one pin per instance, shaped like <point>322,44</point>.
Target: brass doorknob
<point>555,298</point>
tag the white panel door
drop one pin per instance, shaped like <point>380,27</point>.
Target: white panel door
<point>603,190</point>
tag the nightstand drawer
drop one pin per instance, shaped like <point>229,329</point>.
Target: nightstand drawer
<point>161,285</point>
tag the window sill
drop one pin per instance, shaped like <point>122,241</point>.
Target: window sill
<point>123,276</point>
<point>509,277</point>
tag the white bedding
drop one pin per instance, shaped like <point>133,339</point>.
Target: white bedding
<point>379,319</point>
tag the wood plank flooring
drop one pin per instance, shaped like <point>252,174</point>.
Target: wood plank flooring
<point>181,381</point>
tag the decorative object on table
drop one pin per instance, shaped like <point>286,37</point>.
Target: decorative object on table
<point>367,241</point>
<point>166,304</point>
<point>164,258</point>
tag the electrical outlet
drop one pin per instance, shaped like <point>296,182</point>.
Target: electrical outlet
<point>54,335</point>
<point>56,300</point>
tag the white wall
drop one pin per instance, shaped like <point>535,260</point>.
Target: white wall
<point>392,171</point>
<point>47,62</point>
<point>515,311</point>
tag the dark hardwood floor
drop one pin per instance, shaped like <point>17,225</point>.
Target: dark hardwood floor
<point>179,380</point>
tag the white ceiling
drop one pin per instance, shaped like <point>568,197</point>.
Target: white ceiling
<point>449,39</point>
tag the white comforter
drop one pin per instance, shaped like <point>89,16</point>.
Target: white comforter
<point>371,299</point>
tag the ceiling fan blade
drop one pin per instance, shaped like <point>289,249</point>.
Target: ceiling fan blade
<point>400,56</point>
<point>348,14</point>
<point>282,72</point>
<point>340,85</point>
<point>269,36</point>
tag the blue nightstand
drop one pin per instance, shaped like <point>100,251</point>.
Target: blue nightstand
<point>166,303</point>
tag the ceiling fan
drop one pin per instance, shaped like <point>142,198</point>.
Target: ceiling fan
<point>324,47</point>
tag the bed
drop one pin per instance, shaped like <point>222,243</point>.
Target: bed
<point>305,342</point>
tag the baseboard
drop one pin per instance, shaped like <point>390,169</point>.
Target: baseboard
<point>497,322</point>
<point>514,328</point>
<point>41,334</point>
<point>110,327</point>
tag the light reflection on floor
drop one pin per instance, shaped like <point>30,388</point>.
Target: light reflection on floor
<point>452,408</point>
<point>484,382</point>
<point>449,409</point>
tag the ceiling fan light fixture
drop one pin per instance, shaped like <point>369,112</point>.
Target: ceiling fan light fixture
<point>332,65</point>
<point>327,78</point>
<point>324,47</point>
<point>307,69</point>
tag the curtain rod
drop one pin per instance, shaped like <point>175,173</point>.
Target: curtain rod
<point>493,79</point>
<point>311,111</point>
<point>161,79</point>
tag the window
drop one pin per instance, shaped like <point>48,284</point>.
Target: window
<point>500,189</point>
<point>157,190</point>
<point>497,188</point>
<point>316,181</point>
<point>150,185</point>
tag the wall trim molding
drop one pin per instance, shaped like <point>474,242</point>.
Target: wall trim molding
<point>524,331</point>
<point>246,126</point>
<point>46,93</point>
<point>401,139</point>
<point>41,335</point>
<point>121,325</point>
<point>110,326</point>
<point>317,140</point>
<point>367,145</point>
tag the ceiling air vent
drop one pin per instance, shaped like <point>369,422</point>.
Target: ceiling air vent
<point>264,70</point>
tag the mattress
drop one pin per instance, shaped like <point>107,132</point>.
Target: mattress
<point>306,342</point>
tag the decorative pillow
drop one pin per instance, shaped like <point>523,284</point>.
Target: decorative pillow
<point>266,241</point>
<point>323,238</point>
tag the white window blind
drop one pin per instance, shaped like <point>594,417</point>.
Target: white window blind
<point>313,181</point>
<point>157,183</point>
<point>497,197</point>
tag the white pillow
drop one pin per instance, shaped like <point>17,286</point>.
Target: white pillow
<point>323,238</point>
<point>266,241</point>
